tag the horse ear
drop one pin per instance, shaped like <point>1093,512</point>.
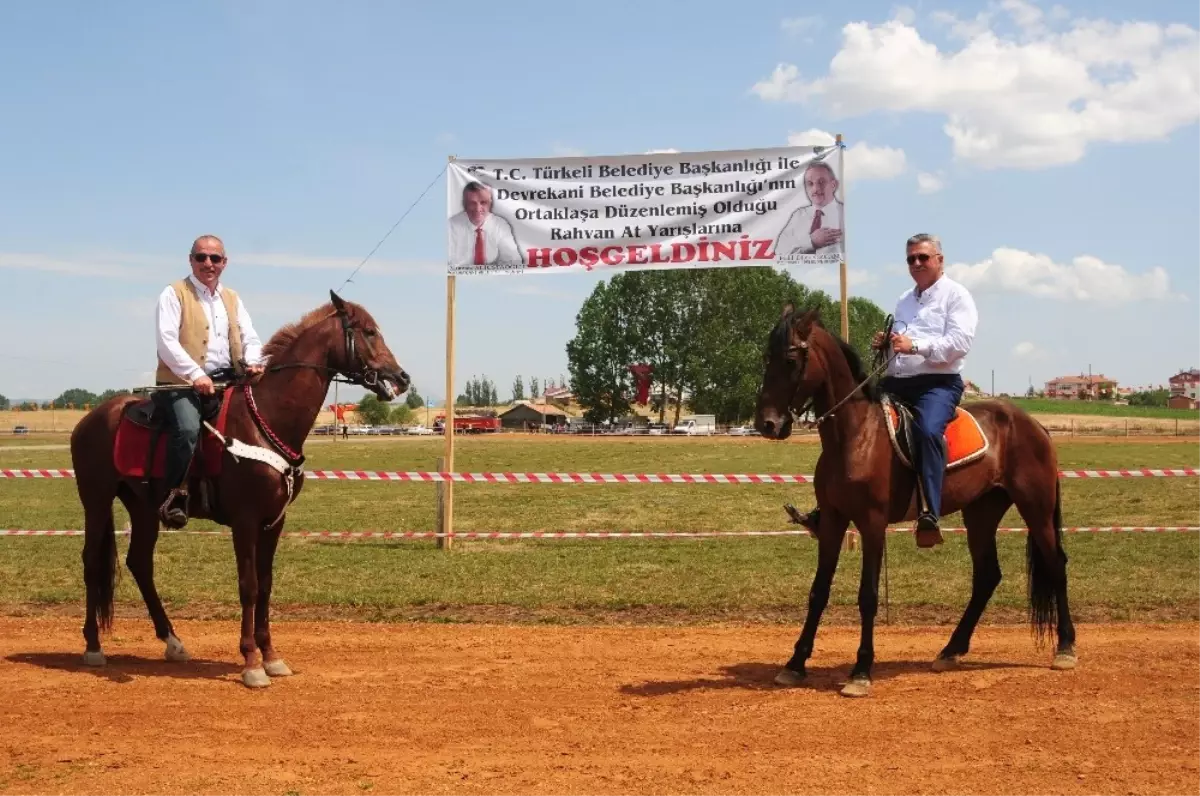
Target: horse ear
<point>788,309</point>
<point>804,324</point>
<point>338,304</point>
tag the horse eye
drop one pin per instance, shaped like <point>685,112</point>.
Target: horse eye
<point>369,332</point>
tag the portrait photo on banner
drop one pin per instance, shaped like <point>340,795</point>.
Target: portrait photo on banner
<point>814,231</point>
<point>479,236</point>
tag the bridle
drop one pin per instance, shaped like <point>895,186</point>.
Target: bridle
<point>799,352</point>
<point>362,374</point>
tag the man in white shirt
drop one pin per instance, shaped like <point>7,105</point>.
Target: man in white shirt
<point>478,236</point>
<point>938,319</point>
<point>815,228</point>
<point>203,328</point>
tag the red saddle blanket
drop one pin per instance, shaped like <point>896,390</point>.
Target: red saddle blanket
<point>131,451</point>
<point>965,441</point>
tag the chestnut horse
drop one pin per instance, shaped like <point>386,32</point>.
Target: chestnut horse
<point>251,497</point>
<point>859,479</point>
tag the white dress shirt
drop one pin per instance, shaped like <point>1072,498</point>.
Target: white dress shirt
<point>941,322</point>
<point>169,349</point>
<point>796,236</point>
<point>499,242</point>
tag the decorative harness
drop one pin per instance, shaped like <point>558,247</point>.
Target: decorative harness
<point>290,463</point>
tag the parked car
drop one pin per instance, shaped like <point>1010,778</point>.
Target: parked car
<point>20,429</point>
<point>743,431</point>
<point>420,430</point>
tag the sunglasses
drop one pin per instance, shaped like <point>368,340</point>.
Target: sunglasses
<point>215,259</point>
<point>918,258</point>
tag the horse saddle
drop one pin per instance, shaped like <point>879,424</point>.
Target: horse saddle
<point>141,443</point>
<point>964,437</point>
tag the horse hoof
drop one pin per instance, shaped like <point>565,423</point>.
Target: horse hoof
<point>946,664</point>
<point>175,651</point>
<point>255,678</point>
<point>277,668</point>
<point>1064,662</point>
<point>858,687</point>
<point>788,677</point>
<point>93,658</point>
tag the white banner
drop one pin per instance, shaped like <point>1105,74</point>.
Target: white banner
<point>677,210</point>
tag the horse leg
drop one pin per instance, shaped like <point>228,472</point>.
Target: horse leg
<point>99,573</point>
<point>1047,566</point>
<point>873,539</point>
<point>143,538</point>
<point>268,540</point>
<point>245,543</point>
<point>829,538</point>
<point>981,518</point>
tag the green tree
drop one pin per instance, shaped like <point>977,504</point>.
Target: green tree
<point>75,397</point>
<point>371,411</point>
<point>518,389</point>
<point>107,394</point>
<point>402,414</point>
<point>703,332</point>
<point>1150,398</point>
<point>534,392</point>
<point>413,399</point>
<point>4,404</point>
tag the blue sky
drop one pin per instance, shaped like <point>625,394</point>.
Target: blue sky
<point>1054,148</point>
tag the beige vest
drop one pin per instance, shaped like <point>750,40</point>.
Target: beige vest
<point>193,329</point>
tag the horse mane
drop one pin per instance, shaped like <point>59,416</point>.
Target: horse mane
<point>781,339</point>
<point>287,335</point>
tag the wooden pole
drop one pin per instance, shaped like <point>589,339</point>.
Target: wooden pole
<point>447,526</point>
<point>850,541</point>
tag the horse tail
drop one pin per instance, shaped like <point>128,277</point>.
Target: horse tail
<point>1046,570</point>
<point>100,562</point>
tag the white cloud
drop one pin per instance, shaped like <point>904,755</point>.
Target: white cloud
<point>930,183</point>
<point>863,161</point>
<point>828,277</point>
<point>106,267</point>
<point>1029,351</point>
<point>800,26</point>
<point>565,151</point>
<point>1084,279</point>
<point>904,14</point>
<point>344,264</point>
<point>1033,100</point>
<point>669,151</point>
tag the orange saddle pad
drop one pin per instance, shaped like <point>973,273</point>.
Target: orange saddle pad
<point>965,441</point>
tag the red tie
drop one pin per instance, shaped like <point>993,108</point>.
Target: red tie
<point>816,223</point>
<point>479,246</point>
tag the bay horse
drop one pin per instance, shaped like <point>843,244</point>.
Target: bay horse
<point>264,422</point>
<point>860,479</point>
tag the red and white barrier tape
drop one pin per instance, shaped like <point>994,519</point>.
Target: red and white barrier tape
<point>592,534</point>
<point>614,478</point>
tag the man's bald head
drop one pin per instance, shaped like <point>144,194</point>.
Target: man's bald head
<point>211,240</point>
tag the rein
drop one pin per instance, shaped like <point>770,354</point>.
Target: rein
<point>883,357</point>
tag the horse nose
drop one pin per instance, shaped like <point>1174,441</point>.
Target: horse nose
<point>403,379</point>
<point>767,428</point>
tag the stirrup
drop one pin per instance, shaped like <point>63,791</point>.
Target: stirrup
<point>928,533</point>
<point>810,521</point>
<point>172,515</point>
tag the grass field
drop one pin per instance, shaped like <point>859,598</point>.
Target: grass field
<point>1113,576</point>
<point>1065,407</point>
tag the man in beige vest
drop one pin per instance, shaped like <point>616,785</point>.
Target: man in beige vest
<point>202,328</point>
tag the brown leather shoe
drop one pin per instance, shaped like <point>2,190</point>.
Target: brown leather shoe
<point>173,511</point>
<point>928,533</point>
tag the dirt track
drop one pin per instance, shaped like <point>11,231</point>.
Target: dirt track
<point>489,709</point>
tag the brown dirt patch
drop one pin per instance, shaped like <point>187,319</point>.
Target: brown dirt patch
<point>501,709</point>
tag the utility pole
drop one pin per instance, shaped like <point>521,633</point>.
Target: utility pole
<point>993,382</point>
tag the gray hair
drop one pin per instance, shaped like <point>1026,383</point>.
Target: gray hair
<point>925,237</point>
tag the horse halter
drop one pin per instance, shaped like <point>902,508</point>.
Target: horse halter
<point>362,375</point>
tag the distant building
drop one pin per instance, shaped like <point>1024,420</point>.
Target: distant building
<point>1186,383</point>
<point>1082,386</point>
<point>528,416</point>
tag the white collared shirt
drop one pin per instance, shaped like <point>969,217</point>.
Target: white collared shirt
<point>168,317</point>
<point>796,236</point>
<point>499,242</point>
<point>941,322</point>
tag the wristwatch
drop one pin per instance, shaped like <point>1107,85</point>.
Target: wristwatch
<point>914,346</point>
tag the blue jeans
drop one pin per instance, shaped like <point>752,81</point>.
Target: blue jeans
<point>182,408</point>
<point>934,397</point>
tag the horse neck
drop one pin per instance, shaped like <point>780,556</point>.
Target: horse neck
<point>289,400</point>
<point>852,416</point>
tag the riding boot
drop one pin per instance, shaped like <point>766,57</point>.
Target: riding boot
<point>174,510</point>
<point>928,533</point>
<point>811,520</point>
